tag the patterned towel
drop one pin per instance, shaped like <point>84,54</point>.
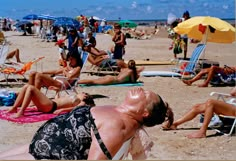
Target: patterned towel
<point>31,115</point>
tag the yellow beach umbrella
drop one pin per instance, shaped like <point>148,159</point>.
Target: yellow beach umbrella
<point>208,29</point>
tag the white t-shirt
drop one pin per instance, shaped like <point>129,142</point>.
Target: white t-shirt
<point>62,53</point>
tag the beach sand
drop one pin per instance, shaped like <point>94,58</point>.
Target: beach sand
<point>171,145</point>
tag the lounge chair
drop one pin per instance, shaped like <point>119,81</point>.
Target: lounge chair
<point>190,68</point>
<point>17,69</point>
<point>231,100</point>
<point>107,68</point>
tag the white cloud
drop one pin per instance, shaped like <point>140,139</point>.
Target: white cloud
<point>98,8</point>
<point>225,7</point>
<point>205,4</point>
<point>134,4</point>
<point>149,9</point>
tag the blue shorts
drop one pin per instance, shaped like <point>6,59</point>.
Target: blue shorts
<point>107,62</point>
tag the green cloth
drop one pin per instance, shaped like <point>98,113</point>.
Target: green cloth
<point>121,84</point>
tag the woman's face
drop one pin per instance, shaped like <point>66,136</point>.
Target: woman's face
<point>72,61</point>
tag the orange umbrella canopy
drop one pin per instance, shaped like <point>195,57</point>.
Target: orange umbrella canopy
<point>214,29</point>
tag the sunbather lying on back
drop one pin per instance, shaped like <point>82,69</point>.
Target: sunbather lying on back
<point>126,75</point>
<point>63,104</point>
<point>95,133</point>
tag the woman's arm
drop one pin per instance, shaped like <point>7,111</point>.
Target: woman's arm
<point>74,74</point>
<point>62,110</point>
<point>59,71</point>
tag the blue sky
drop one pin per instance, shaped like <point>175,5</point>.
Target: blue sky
<point>113,9</point>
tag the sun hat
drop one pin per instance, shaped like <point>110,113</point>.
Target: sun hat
<point>60,42</point>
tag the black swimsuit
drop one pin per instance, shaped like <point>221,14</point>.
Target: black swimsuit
<point>66,137</point>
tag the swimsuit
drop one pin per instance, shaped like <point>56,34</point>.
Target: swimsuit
<point>54,107</point>
<point>66,137</point>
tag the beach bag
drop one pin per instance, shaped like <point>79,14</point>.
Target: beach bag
<point>222,79</point>
<point>177,49</point>
<point>7,98</point>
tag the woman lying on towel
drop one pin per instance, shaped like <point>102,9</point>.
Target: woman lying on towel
<point>208,108</point>
<point>95,133</point>
<point>44,104</point>
<point>126,75</point>
<point>71,72</point>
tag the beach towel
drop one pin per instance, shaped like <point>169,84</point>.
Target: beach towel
<point>118,85</point>
<point>31,115</point>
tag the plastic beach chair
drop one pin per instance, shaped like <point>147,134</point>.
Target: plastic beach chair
<point>231,100</point>
<point>16,69</point>
<point>72,87</point>
<point>192,63</point>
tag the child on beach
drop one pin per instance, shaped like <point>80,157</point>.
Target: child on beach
<point>177,45</point>
<point>62,53</point>
<point>120,42</point>
<point>44,104</point>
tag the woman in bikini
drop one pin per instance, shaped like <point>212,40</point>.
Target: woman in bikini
<point>44,104</point>
<point>71,72</point>
<point>126,75</point>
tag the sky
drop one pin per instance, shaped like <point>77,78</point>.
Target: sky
<point>115,9</point>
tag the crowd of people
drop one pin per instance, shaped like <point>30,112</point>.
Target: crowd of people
<point>81,129</point>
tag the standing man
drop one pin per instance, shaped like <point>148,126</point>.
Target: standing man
<point>184,37</point>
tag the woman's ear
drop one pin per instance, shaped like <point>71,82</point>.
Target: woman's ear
<point>145,113</point>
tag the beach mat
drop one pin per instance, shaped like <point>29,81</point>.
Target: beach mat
<point>150,62</point>
<point>31,115</point>
<point>115,85</point>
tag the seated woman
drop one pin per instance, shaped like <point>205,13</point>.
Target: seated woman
<point>126,75</point>
<point>94,133</point>
<point>44,104</point>
<point>210,74</point>
<point>208,108</point>
<point>71,72</point>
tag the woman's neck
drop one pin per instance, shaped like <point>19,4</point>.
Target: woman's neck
<point>129,111</point>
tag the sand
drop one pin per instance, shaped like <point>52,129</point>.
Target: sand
<point>172,145</point>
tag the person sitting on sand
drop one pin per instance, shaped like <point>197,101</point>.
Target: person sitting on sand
<point>208,108</point>
<point>71,72</point>
<point>210,74</point>
<point>56,106</point>
<point>95,133</point>
<point>126,75</point>
<point>15,53</point>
